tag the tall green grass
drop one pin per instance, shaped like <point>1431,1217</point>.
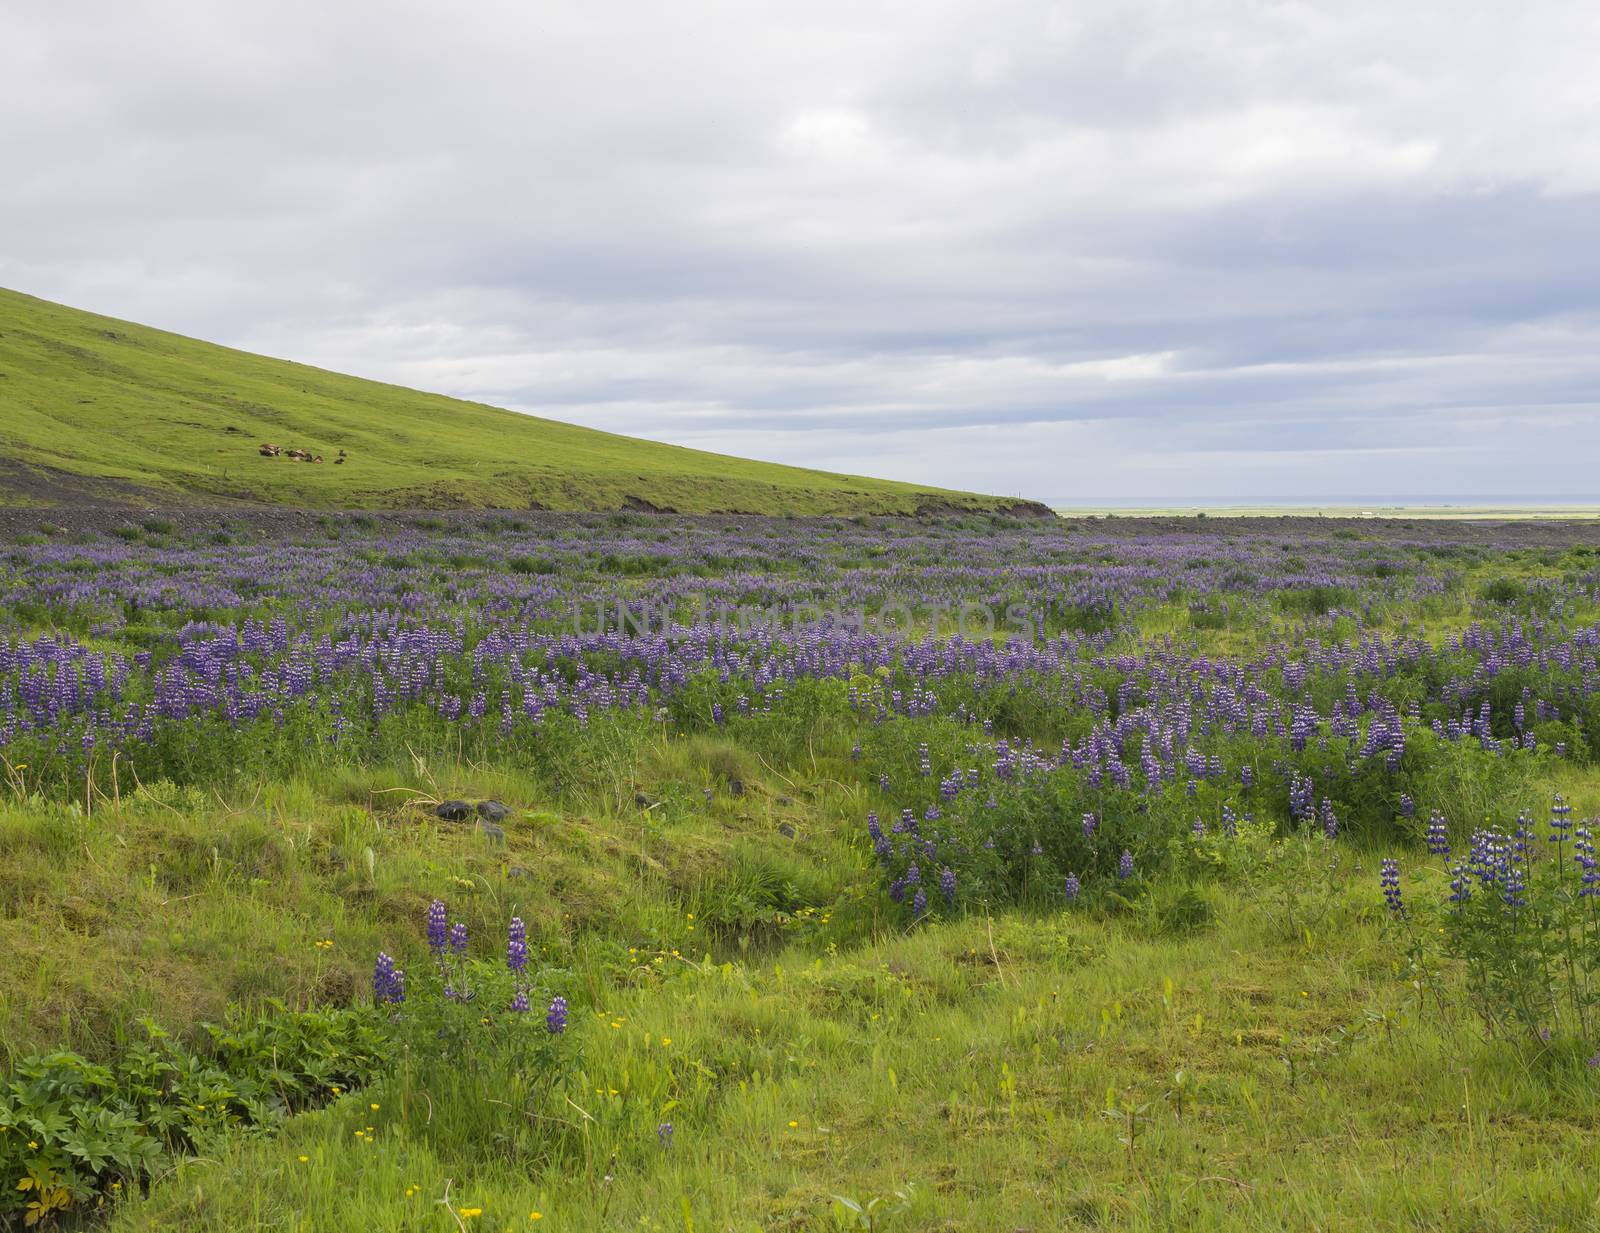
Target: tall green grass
<point>1234,1046</point>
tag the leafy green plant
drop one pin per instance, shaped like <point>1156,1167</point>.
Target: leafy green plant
<point>1523,915</point>
<point>875,1213</point>
<point>74,1132</point>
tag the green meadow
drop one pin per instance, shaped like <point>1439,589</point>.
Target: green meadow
<point>1157,992</point>
<point>72,383</point>
<point>1259,1062</point>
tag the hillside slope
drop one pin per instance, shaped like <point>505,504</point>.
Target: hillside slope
<point>96,409</point>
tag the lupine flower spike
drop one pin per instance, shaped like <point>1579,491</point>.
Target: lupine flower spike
<point>1389,878</point>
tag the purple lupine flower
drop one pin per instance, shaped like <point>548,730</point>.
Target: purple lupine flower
<point>1089,823</point>
<point>1514,872</point>
<point>388,981</point>
<point>947,884</point>
<point>664,1135</point>
<point>1460,882</point>
<point>520,1003</point>
<point>1073,887</point>
<point>458,939</point>
<point>1407,806</point>
<point>1302,798</point>
<point>555,1019</point>
<point>1486,857</point>
<point>517,946</point>
<point>1583,854</point>
<point>1524,837</point>
<point>919,902</point>
<point>1330,820</point>
<point>1389,878</point>
<point>1125,865</point>
<point>438,927</point>
<point>1438,835</point>
<point>1560,820</point>
<point>1198,826</point>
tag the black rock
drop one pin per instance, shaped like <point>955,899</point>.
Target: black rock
<point>786,830</point>
<point>491,832</point>
<point>493,811</point>
<point>641,800</point>
<point>735,787</point>
<point>453,811</point>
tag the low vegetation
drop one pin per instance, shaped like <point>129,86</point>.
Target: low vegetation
<point>375,878</point>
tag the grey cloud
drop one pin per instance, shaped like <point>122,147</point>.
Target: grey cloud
<point>1190,250</point>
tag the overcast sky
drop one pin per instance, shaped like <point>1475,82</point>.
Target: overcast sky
<point>1140,250</point>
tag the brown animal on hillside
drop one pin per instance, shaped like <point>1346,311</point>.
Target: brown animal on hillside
<point>269,451</point>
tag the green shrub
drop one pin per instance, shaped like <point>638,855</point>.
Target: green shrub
<point>74,1132</point>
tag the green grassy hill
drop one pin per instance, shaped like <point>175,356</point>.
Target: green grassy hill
<point>92,408</point>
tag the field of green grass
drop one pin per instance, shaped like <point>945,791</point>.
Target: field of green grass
<point>94,408</point>
<point>762,1034</point>
<point>1258,1063</point>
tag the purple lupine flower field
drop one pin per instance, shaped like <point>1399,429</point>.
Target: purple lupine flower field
<point>1173,657</point>
<point>1199,807</point>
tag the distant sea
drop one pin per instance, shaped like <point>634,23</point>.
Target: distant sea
<point>1544,500</point>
